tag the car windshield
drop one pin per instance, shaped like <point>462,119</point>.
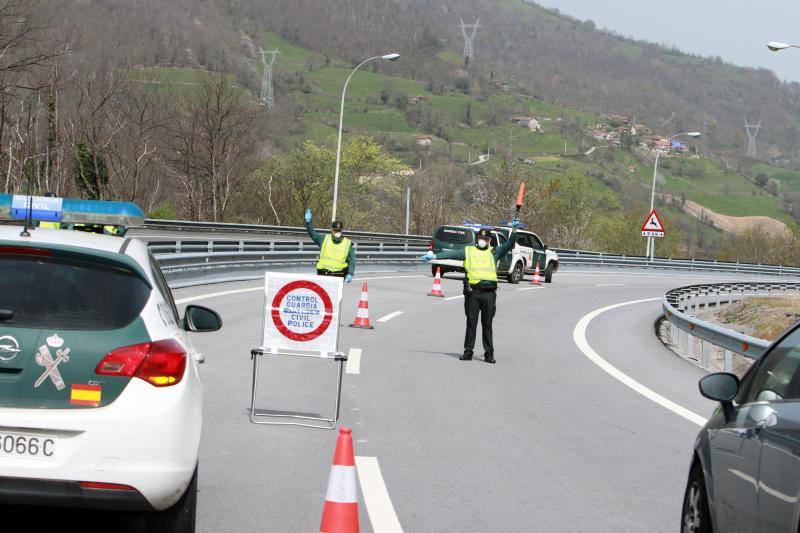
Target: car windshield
<point>60,293</point>
<point>450,234</point>
<point>778,377</point>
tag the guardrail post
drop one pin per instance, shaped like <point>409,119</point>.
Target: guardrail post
<point>728,365</point>
<point>300,246</point>
<point>210,247</point>
<point>380,246</point>
<point>241,246</point>
<point>271,246</point>
<point>688,344</point>
<point>706,348</point>
<point>177,247</point>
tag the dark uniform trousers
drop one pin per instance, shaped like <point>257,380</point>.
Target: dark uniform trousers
<point>484,302</point>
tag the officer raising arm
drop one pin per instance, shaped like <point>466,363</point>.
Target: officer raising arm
<point>337,256</point>
<point>480,286</point>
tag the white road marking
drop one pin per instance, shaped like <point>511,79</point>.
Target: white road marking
<point>455,297</point>
<point>390,316</point>
<point>354,361</point>
<point>376,497</point>
<point>390,277</point>
<point>215,294</point>
<point>609,285</point>
<point>579,336</point>
<point>530,288</point>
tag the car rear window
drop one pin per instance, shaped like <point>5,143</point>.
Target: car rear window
<point>454,235</point>
<point>62,293</point>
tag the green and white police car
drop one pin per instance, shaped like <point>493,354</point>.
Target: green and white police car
<point>100,394</point>
<point>522,260</point>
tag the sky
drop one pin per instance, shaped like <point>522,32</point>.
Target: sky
<point>735,30</point>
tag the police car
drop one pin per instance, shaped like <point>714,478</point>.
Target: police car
<point>522,260</point>
<point>100,393</point>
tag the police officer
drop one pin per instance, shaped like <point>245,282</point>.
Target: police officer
<point>50,225</point>
<point>480,286</point>
<point>337,256</point>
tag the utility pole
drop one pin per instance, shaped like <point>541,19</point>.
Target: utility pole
<point>267,95</point>
<point>469,37</point>
<point>752,134</point>
<point>408,208</point>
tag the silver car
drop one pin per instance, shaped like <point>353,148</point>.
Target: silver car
<point>745,476</point>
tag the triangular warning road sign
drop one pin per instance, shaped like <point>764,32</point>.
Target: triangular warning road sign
<point>652,224</point>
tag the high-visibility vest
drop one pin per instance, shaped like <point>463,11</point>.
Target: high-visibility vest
<point>480,265</point>
<point>110,230</point>
<point>333,256</point>
<point>50,225</point>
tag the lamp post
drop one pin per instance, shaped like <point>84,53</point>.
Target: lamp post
<point>390,57</point>
<point>775,46</point>
<point>651,244</point>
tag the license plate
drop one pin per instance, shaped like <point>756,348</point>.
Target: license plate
<point>29,446</point>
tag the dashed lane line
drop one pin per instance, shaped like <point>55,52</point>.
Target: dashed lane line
<point>579,336</point>
<point>609,285</point>
<point>530,288</point>
<point>215,294</point>
<point>390,316</point>
<point>353,361</point>
<point>376,497</point>
<point>455,297</point>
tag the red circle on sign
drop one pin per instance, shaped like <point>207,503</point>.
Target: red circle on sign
<point>276,311</point>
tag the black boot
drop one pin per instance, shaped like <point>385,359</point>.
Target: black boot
<point>489,357</point>
<point>467,356</point>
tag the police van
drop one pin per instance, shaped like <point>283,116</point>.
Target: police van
<point>100,395</point>
<point>520,261</point>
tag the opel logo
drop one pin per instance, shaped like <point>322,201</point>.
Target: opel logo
<point>9,348</point>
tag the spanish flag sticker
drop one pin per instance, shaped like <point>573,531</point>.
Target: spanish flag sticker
<point>88,395</point>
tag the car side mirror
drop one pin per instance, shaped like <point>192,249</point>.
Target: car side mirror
<point>546,247</point>
<point>721,387</point>
<point>201,319</point>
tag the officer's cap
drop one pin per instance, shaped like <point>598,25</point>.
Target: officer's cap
<point>484,233</point>
<point>337,225</point>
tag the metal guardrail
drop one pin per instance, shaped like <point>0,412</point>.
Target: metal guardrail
<point>681,305</point>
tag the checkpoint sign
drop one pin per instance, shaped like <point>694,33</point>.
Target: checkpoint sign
<point>301,312</point>
<point>653,227</point>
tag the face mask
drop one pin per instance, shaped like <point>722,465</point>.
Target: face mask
<point>337,235</point>
<point>483,244</point>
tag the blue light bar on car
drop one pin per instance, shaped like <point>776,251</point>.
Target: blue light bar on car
<point>70,210</point>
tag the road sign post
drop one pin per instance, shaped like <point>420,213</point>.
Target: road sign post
<point>653,228</point>
<point>301,319</point>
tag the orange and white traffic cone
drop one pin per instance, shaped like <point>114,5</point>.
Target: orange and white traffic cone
<point>537,280</point>
<point>340,514</point>
<point>437,284</point>
<point>362,316</point>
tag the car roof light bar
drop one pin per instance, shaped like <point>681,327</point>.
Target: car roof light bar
<point>70,210</point>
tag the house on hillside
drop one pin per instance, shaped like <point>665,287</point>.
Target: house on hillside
<point>679,147</point>
<point>600,135</point>
<point>418,98</point>
<point>424,139</point>
<point>520,120</point>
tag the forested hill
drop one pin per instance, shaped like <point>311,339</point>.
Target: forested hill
<point>538,51</point>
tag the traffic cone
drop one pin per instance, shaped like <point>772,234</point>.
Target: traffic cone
<point>340,514</point>
<point>362,316</point>
<point>537,280</point>
<point>437,284</point>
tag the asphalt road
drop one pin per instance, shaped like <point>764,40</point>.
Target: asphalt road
<point>544,440</point>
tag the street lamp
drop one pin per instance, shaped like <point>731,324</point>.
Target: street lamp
<point>775,46</point>
<point>389,57</point>
<point>651,245</point>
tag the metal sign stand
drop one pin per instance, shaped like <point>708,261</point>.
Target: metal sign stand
<point>276,419</point>
<point>329,423</point>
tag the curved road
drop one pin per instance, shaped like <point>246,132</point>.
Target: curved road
<point>554,437</point>
<point>545,440</point>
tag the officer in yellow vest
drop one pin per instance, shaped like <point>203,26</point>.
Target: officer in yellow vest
<point>480,286</point>
<point>337,256</point>
<point>50,225</point>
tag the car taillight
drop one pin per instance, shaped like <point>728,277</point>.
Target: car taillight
<point>103,486</point>
<point>430,246</point>
<point>160,363</point>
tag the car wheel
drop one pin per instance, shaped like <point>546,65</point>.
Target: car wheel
<point>180,518</point>
<point>548,273</point>
<point>516,274</point>
<point>695,517</point>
